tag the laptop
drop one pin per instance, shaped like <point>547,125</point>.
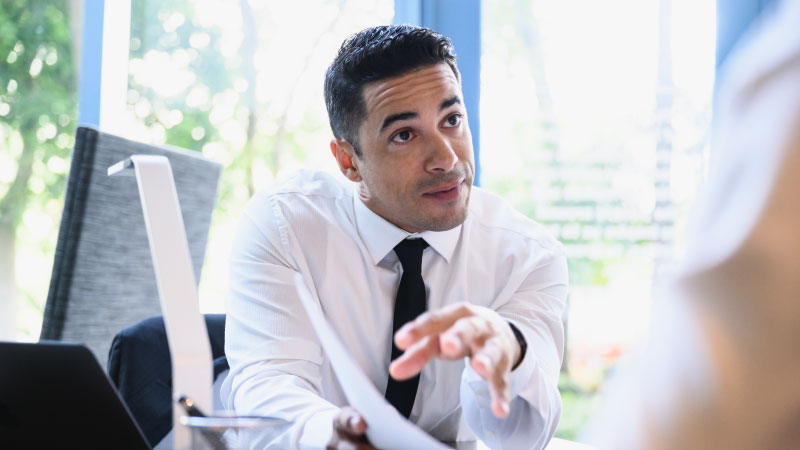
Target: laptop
<point>56,395</point>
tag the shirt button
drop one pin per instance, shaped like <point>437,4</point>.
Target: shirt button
<point>490,433</point>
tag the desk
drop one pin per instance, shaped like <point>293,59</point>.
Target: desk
<point>555,444</point>
<point>563,444</point>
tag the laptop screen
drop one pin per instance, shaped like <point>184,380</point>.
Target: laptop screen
<point>56,395</point>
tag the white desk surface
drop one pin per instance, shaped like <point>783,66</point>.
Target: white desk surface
<point>555,444</point>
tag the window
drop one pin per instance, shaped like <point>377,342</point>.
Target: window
<point>595,121</point>
<point>38,111</point>
<point>242,83</point>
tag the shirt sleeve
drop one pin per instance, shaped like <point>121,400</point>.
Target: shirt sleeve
<point>536,309</point>
<point>271,347</point>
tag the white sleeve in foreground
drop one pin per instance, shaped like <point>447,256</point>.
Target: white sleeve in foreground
<point>271,347</point>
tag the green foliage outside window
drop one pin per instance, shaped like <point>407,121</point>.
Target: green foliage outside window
<point>38,109</point>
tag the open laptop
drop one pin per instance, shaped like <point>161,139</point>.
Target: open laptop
<point>56,395</point>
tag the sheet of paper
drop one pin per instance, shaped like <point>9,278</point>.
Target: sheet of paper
<point>386,428</point>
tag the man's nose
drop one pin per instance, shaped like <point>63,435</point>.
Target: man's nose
<point>442,157</point>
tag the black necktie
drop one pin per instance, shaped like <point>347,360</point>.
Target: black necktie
<point>409,304</point>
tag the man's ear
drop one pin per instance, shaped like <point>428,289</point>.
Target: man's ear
<point>346,159</point>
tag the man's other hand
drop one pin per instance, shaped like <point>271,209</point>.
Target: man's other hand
<point>348,431</point>
<point>458,331</point>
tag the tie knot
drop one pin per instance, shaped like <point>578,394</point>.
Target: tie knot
<point>409,251</point>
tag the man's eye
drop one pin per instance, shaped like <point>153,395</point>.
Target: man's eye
<point>403,136</point>
<point>453,120</point>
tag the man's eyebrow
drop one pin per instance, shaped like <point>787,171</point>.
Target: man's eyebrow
<point>413,115</point>
<point>449,102</point>
<point>396,117</point>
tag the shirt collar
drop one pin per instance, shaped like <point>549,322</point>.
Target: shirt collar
<point>380,236</point>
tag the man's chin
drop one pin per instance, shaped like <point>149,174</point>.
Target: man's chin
<point>446,225</point>
<point>446,222</point>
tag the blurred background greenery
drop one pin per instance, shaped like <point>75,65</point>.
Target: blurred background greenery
<point>594,121</point>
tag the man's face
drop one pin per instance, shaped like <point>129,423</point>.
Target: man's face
<point>416,165</point>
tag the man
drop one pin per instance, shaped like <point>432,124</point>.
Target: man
<point>484,359</point>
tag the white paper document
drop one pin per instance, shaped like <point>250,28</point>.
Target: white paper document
<point>386,428</point>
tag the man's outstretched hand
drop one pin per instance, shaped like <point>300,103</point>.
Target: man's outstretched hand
<point>348,431</point>
<point>458,331</point>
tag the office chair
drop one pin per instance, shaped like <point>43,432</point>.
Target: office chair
<point>140,367</point>
<point>103,277</point>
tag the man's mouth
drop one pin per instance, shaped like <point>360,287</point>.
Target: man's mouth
<point>448,192</point>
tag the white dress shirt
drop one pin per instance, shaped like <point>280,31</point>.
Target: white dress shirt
<point>316,225</point>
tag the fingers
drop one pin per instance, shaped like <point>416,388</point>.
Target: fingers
<point>458,331</point>
<point>411,362</point>
<point>431,322</point>
<point>349,445</point>
<point>466,335</point>
<point>493,363</point>
<point>348,431</point>
<point>350,421</point>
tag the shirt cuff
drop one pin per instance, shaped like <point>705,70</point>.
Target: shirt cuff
<point>519,378</point>
<point>317,430</point>
<point>523,345</point>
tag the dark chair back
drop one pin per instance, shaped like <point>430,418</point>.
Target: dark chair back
<point>139,365</point>
<point>103,278</point>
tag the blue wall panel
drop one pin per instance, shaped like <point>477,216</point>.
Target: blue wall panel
<point>91,64</point>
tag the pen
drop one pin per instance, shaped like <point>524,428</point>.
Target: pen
<point>189,407</point>
<point>212,437</point>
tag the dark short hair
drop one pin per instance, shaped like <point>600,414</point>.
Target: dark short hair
<point>375,54</point>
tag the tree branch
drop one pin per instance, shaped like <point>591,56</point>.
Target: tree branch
<point>13,203</point>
